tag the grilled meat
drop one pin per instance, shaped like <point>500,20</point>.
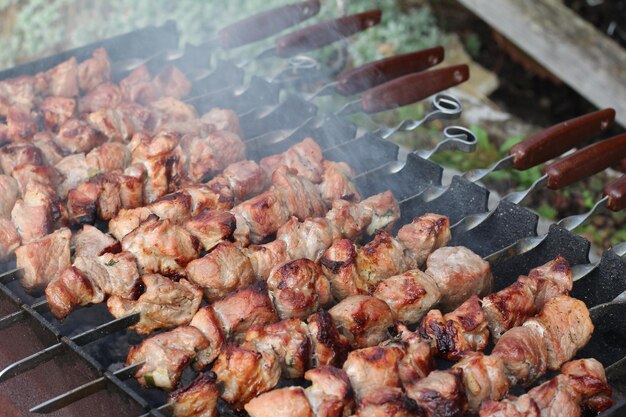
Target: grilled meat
<point>441,393</point>
<point>105,96</point>
<point>308,239</point>
<point>459,273</point>
<point>108,157</point>
<point>388,402</point>
<point>9,239</point>
<point>381,258</point>
<point>338,265</point>
<point>22,124</point>
<point>21,91</point>
<point>329,347</point>
<point>524,355</point>
<point>10,193</point>
<point>175,206</point>
<point>283,402</point>
<point>305,158</point>
<point>372,368</point>
<point>206,321</point>
<point>62,79</point>
<point>301,196</point>
<point>223,119</point>
<point>90,241</point>
<point>14,155</point>
<point>164,304</point>
<point>128,220</point>
<point>95,70</point>
<point>77,136</point>
<point>44,258</point>
<point>484,378</point>
<point>337,184</point>
<point>73,170</point>
<point>587,380</point>
<point>198,399</point>
<point>211,227</point>
<point>50,151</point>
<point>330,393</point>
<point>298,288</point>
<point>418,360</point>
<point>554,278</point>
<point>423,235</point>
<point>208,156</point>
<point>364,320</point>
<point>263,258</point>
<point>172,82</point>
<point>138,86</point>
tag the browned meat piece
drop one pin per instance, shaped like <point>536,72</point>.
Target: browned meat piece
<point>170,109</point>
<point>555,398</point>
<point>241,235</point>
<point>350,219</point>
<point>338,265</point>
<point>77,136</point>
<point>459,273</point>
<point>105,96</point>
<point>22,91</point>
<point>305,158</point>
<point>138,86</point>
<point>265,257</point>
<point>329,347</point>
<point>44,258</point>
<point>74,171</point>
<point>301,197</point>
<point>288,339</point>
<point>441,393</point>
<point>131,191</point>
<point>10,193</point>
<point>109,201</point>
<point>56,111</point>
<point>298,288</point>
<point>263,215</point>
<point>211,154</point>
<point>164,304</point>
<point>50,151</point>
<point>175,206</point>
<point>90,241</point>
<point>108,157</point>
<point>40,194</point>
<point>409,295</point>
<point>587,380</point>
<point>554,278</point>
<point>388,402</point>
<point>206,321</point>
<point>128,220</point>
<point>63,79</point>
<point>26,174</point>
<point>423,236</point>
<point>161,246</point>
<point>308,239</point>
<point>9,239</point>
<point>223,119</point>
<point>172,82</point>
<point>220,271</point>
<point>95,70</point>
<point>282,402</point>
<point>330,393</point>
<point>484,378</point>
<point>372,368</point>
<point>82,203</point>
<point>245,179</point>
<point>32,221</point>
<point>459,331</point>
<point>68,290</point>
<point>199,399</point>
<point>565,327</point>
<point>364,320</point>
<point>211,227</point>
<point>165,356</point>
<point>120,123</point>
<point>418,360</point>
<point>381,258</point>
<point>384,210</point>
<point>523,406</point>
<point>204,197</point>
<point>337,183</point>
<point>244,308</point>
<point>524,355</point>
<point>12,156</point>
<point>243,374</point>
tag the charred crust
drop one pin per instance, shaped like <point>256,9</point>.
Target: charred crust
<point>382,238</point>
<point>201,383</point>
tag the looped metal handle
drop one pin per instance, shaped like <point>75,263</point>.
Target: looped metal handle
<point>447,105</point>
<point>454,137</point>
<point>302,62</point>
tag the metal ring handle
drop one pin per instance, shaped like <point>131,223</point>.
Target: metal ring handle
<point>454,137</point>
<point>448,105</point>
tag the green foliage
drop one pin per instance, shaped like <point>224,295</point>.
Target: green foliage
<point>472,44</point>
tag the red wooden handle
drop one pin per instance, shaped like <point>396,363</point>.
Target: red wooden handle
<point>616,192</point>
<point>266,24</point>
<point>558,139</point>
<point>379,72</point>
<point>412,88</point>
<point>325,33</point>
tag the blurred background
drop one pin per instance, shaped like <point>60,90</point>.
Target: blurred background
<point>509,95</point>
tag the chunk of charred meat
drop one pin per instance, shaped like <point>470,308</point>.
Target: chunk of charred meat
<point>329,347</point>
<point>264,258</point>
<point>170,109</point>
<point>121,122</point>
<point>298,288</point>
<point>128,220</point>
<point>337,183</point>
<point>172,82</point>
<point>95,70</point>
<point>211,227</point>
<point>441,393</point>
<point>418,360</point>
<point>459,273</point>
<point>77,136</point>
<point>105,96</point>
<point>565,327</point>
<point>388,402</point>
<point>199,399</point>
<point>63,79</point>
<point>484,378</point>
<point>23,91</point>
<point>409,295</point>
<point>204,197</point>
<point>223,119</point>
<point>206,321</point>
<point>82,203</point>
<point>165,356</point>
<point>44,258</point>
<point>372,368</point>
<point>246,179</point>
<point>10,193</point>
<point>523,406</point>
<point>56,111</point>
<point>554,278</point>
<point>243,373</point>
<point>209,155</point>
<point>9,239</point>
<point>163,305</point>
<point>423,236</point>
<point>108,157</point>
<point>282,402</point>
<point>91,279</point>
<point>349,218</point>
<point>26,174</point>
<point>262,215</point>
<point>90,241</point>
<point>32,220</point>
<point>22,123</point>
<point>524,355</point>
<point>74,171</point>
<point>384,210</point>
<point>363,319</point>
<point>221,271</point>
<point>464,329</point>
<point>288,339</point>
<point>14,155</point>
<point>50,151</point>
<point>338,265</point>
<point>138,86</point>
<point>587,379</point>
<point>244,308</point>
<point>330,393</point>
<point>161,246</point>
<point>175,206</point>
<point>305,158</point>
<point>301,196</point>
<point>379,259</point>
<point>308,239</point>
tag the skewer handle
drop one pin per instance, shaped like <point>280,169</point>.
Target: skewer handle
<point>616,192</point>
<point>266,24</point>
<point>412,88</point>
<point>325,33</point>
<point>379,72</point>
<point>556,140</point>
<point>586,162</point>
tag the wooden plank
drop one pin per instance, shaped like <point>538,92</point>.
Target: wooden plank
<point>568,46</point>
